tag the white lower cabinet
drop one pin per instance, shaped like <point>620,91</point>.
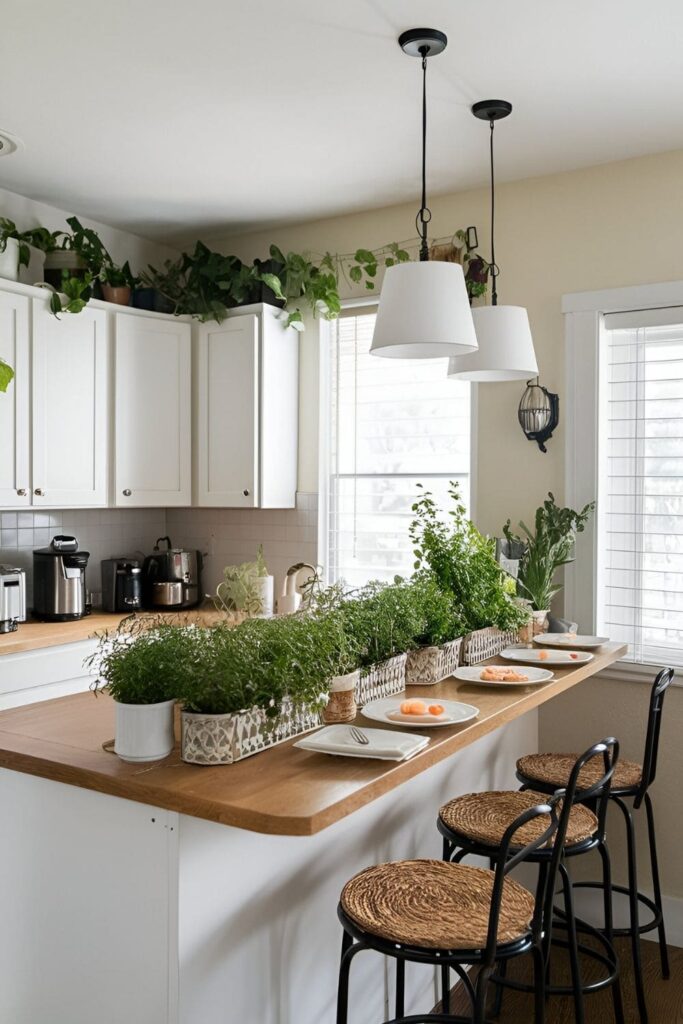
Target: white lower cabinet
<point>15,482</point>
<point>246,411</point>
<point>152,412</point>
<point>69,449</point>
<point>42,674</point>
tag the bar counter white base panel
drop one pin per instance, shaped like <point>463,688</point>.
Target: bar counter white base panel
<point>113,911</point>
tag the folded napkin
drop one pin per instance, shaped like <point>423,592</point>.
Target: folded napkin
<point>386,744</point>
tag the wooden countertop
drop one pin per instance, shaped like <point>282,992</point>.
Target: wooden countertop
<point>32,635</point>
<point>281,791</point>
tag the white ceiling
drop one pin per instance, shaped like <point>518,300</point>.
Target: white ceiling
<point>170,118</point>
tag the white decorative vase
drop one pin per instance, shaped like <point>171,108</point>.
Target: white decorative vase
<point>144,732</point>
<point>9,260</point>
<point>341,706</point>
<point>265,587</point>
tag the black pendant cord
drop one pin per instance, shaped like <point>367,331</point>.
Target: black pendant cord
<point>424,214</point>
<point>494,266</point>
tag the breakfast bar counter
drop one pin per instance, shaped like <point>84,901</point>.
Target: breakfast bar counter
<point>213,891</point>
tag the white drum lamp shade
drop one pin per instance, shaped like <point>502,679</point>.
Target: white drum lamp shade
<point>506,348</point>
<point>424,312</point>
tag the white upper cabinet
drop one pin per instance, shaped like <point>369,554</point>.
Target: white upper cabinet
<point>152,417</point>
<point>15,483</point>
<point>246,412</point>
<point>70,407</point>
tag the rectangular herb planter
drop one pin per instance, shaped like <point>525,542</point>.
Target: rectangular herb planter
<point>428,665</point>
<point>486,643</point>
<point>224,739</point>
<point>382,680</point>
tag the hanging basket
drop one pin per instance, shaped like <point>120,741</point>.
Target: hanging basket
<point>486,643</point>
<point>428,665</point>
<point>224,739</point>
<point>382,680</point>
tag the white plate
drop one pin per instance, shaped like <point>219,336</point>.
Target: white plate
<point>473,675</point>
<point>455,712</point>
<point>385,744</point>
<point>567,640</point>
<point>531,656</point>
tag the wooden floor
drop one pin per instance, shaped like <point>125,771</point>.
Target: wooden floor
<point>665,998</point>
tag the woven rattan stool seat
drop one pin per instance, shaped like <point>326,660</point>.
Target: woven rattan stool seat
<point>484,817</point>
<point>434,905</point>
<point>555,769</point>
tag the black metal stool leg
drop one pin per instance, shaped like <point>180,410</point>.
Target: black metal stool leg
<point>400,987</point>
<point>539,985</point>
<point>663,951</point>
<point>633,907</point>
<point>343,987</point>
<point>609,926</point>
<point>480,991</point>
<point>573,943</point>
<point>445,988</point>
<point>499,989</point>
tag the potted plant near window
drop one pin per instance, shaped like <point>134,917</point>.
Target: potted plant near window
<point>463,564</point>
<point>546,549</point>
<point>143,666</point>
<point>246,590</point>
<point>436,654</point>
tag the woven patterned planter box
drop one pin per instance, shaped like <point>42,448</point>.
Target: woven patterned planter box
<point>382,680</point>
<point>428,665</point>
<point>224,739</point>
<point>486,643</point>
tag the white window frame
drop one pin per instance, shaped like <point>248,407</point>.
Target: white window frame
<point>324,454</point>
<point>583,315</point>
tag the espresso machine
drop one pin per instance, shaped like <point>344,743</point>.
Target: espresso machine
<point>12,598</point>
<point>121,585</point>
<point>171,577</point>
<point>59,591</point>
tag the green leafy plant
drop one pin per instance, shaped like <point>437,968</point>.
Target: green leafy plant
<point>204,284</point>
<point>462,563</point>
<point>548,547</point>
<point>116,276</point>
<point>437,610</point>
<point>77,291</point>
<point>239,590</point>
<point>6,375</point>
<point>144,662</point>
<point>8,229</point>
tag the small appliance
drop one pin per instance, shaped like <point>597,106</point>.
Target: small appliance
<point>172,578</point>
<point>12,598</point>
<point>59,592</point>
<point>121,584</point>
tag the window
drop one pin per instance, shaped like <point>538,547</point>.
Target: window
<point>391,425</point>
<point>640,489</point>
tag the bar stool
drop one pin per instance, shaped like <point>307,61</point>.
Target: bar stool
<point>545,772</point>
<point>475,824</point>
<point>452,916</point>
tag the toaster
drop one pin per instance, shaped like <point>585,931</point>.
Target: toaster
<point>12,598</point>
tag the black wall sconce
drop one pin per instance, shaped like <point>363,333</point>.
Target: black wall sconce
<point>538,413</point>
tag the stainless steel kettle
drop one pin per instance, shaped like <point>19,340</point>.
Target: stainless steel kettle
<point>172,577</point>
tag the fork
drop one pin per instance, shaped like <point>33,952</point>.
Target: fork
<point>358,736</point>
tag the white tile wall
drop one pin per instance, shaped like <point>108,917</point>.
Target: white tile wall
<point>226,536</point>
<point>102,532</point>
<point>229,536</point>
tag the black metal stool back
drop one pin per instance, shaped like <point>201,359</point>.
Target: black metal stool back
<point>654,723</point>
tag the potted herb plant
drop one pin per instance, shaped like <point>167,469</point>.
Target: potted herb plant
<point>246,590</point>
<point>546,549</point>
<point>463,564</point>
<point>436,653</point>
<point>143,666</point>
<point>117,282</point>
<point>14,250</point>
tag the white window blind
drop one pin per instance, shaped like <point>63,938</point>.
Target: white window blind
<point>394,423</point>
<point>640,549</point>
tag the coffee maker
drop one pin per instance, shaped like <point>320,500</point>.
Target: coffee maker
<point>59,592</point>
<point>121,585</point>
<point>172,578</point>
<point>12,598</point>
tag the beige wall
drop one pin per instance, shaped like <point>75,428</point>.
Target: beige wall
<point>609,226</point>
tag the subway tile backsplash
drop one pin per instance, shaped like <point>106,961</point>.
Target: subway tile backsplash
<point>226,536</point>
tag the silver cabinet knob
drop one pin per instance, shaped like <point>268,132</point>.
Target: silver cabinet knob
<point>39,492</point>
<point>21,491</point>
<point>127,492</point>
<point>245,492</point>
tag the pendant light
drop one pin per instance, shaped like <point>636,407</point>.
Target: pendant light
<point>506,348</point>
<point>424,311</point>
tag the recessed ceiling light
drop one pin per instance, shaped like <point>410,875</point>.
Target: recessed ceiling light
<point>9,143</point>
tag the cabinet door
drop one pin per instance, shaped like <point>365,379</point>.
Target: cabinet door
<point>227,413</point>
<point>15,486</point>
<point>70,407</point>
<point>153,444</point>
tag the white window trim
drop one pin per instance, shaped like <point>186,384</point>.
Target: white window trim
<point>583,315</point>
<point>324,341</point>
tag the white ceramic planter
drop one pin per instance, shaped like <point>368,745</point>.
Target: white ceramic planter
<point>265,586</point>
<point>144,732</point>
<point>540,622</point>
<point>9,260</point>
